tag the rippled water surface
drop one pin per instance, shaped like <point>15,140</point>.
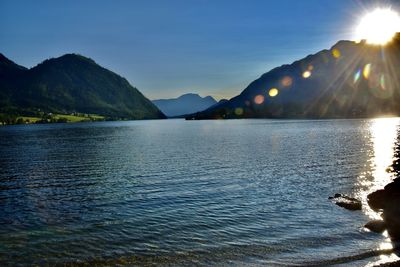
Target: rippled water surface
<point>178,192</point>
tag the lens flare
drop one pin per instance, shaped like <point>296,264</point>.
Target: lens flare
<point>381,85</point>
<point>336,53</point>
<point>382,82</point>
<point>306,74</point>
<point>238,111</point>
<point>273,92</point>
<point>374,81</point>
<point>357,76</point>
<point>259,99</point>
<point>286,81</point>
<point>367,71</point>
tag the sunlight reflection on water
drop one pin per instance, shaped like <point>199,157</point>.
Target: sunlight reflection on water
<point>383,135</point>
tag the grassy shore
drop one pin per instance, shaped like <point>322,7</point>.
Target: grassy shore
<point>49,118</point>
<point>80,118</point>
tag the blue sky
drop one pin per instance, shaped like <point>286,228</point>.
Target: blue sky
<point>168,47</point>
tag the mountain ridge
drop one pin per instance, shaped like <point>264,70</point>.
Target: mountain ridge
<point>185,104</point>
<point>328,84</point>
<point>71,83</point>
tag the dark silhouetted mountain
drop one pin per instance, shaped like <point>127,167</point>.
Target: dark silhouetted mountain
<point>185,104</point>
<point>9,74</point>
<point>349,80</point>
<point>7,67</point>
<point>71,83</point>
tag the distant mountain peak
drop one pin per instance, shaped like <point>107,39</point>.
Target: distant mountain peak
<point>78,57</point>
<point>184,104</point>
<point>69,58</point>
<point>190,94</point>
<point>195,96</point>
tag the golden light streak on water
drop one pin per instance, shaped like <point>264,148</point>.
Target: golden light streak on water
<point>384,258</point>
<point>383,136</point>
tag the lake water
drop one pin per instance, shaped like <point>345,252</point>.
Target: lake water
<point>175,192</point>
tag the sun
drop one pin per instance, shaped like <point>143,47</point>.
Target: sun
<point>378,26</point>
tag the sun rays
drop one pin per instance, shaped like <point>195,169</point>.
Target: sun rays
<point>354,78</point>
<point>378,26</point>
<point>368,67</point>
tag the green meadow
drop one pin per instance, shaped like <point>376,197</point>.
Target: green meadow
<point>6,119</point>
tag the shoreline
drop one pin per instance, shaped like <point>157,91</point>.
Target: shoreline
<point>387,201</point>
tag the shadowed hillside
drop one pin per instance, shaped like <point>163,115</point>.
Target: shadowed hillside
<point>69,84</point>
<point>349,80</point>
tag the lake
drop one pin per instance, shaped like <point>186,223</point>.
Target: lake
<point>175,192</point>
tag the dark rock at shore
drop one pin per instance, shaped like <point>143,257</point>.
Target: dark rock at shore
<point>350,205</point>
<point>387,200</point>
<point>376,226</point>
<point>384,198</point>
<point>377,200</point>
<point>346,202</point>
<point>337,195</point>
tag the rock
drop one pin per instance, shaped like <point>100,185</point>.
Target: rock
<point>336,196</point>
<point>391,216</point>
<point>347,202</point>
<point>387,200</point>
<point>393,187</point>
<point>350,205</point>
<point>384,198</point>
<point>376,226</point>
<point>377,200</point>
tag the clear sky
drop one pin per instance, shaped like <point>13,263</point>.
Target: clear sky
<point>169,47</point>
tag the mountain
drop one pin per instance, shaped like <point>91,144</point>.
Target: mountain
<point>185,104</point>
<point>8,67</point>
<point>9,74</point>
<point>71,83</point>
<point>347,81</point>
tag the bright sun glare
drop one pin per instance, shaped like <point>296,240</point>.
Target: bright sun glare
<point>378,26</point>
